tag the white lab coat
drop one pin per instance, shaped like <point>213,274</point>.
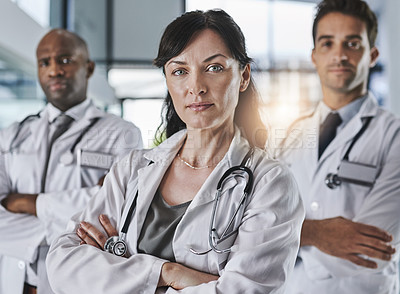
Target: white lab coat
<point>379,206</point>
<point>264,248</point>
<point>68,187</point>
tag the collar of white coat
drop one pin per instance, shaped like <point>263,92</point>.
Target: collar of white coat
<point>84,112</point>
<point>76,112</point>
<point>170,147</point>
<point>368,108</point>
<point>163,155</point>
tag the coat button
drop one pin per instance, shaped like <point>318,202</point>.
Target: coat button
<point>21,264</point>
<point>314,206</point>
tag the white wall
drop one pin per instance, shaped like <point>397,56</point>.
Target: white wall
<point>19,35</point>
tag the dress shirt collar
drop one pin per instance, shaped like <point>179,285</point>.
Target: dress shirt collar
<point>346,112</point>
<point>76,112</point>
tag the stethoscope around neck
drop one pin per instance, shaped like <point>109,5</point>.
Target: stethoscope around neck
<point>117,244</point>
<point>352,172</point>
<point>20,124</point>
<point>66,158</point>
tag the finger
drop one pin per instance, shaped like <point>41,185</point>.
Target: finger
<point>374,253</point>
<point>82,242</point>
<point>86,238</point>
<point>374,232</point>
<point>377,244</point>
<point>108,227</point>
<point>94,233</point>
<point>354,258</point>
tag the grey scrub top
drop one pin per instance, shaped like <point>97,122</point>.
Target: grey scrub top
<point>159,228</point>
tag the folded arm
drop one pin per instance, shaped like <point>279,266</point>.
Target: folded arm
<point>371,239</point>
<point>172,274</point>
<point>348,240</point>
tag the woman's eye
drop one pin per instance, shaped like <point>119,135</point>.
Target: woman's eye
<point>215,68</point>
<point>178,72</point>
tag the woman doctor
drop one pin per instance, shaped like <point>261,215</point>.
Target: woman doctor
<point>212,122</point>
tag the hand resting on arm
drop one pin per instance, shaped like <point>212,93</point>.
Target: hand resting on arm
<point>346,239</point>
<point>172,274</point>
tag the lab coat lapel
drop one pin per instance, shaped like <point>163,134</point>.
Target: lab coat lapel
<point>150,176</point>
<point>301,144</point>
<point>40,129</point>
<point>343,137</point>
<point>311,142</point>
<point>91,113</point>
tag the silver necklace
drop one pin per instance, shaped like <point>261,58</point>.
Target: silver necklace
<point>191,166</point>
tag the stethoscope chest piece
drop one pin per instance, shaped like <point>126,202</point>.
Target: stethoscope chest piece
<point>332,181</point>
<point>116,246</point>
<point>67,158</point>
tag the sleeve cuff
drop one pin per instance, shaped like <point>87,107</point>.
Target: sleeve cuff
<point>41,207</point>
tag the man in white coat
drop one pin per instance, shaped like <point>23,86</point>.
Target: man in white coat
<point>53,162</point>
<point>345,158</point>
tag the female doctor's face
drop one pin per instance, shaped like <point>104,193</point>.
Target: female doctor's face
<point>204,81</point>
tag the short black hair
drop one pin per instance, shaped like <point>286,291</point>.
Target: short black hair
<point>356,8</point>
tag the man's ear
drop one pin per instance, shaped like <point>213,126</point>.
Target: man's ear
<point>245,80</point>
<point>374,54</point>
<point>313,56</point>
<point>90,68</point>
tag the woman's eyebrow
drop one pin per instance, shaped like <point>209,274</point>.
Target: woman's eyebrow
<point>208,59</point>
<point>175,62</point>
<point>214,56</point>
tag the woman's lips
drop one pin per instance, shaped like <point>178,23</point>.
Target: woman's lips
<point>200,106</point>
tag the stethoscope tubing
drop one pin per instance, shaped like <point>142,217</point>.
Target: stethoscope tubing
<point>72,149</point>
<point>113,241</point>
<point>332,180</point>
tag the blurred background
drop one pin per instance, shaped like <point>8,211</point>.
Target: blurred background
<point>123,38</point>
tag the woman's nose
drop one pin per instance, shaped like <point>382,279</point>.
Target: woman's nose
<point>197,85</point>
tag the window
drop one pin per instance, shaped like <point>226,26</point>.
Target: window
<point>142,93</point>
<point>39,10</point>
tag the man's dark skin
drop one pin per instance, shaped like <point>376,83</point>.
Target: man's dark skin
<point>64,68</point>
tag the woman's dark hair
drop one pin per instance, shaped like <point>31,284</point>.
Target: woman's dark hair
<point>174,40</point>
<point>356,8</point>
